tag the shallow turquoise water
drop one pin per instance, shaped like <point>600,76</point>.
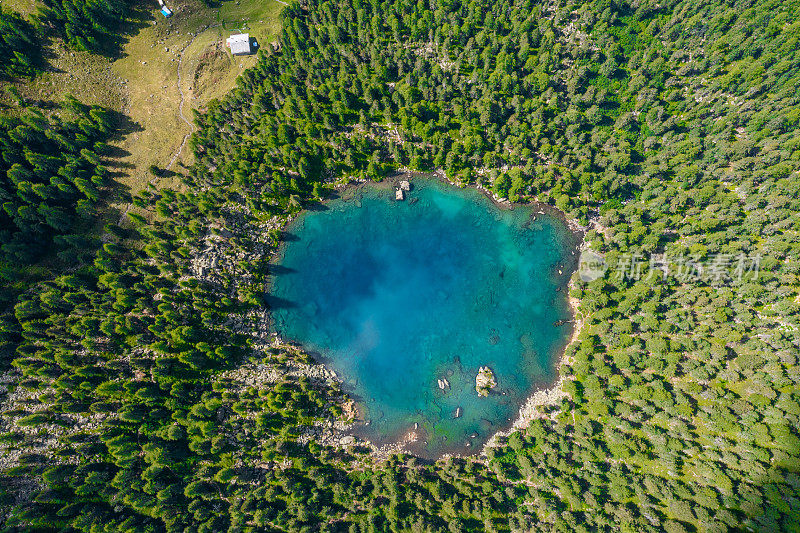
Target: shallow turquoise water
<point>397,295</point>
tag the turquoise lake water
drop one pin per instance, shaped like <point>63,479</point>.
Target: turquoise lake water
<point>395,296</point>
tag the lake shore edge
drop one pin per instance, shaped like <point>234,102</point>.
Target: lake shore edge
<point>343,433</point>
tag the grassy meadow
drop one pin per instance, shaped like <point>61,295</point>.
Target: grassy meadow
<point>142,80</point>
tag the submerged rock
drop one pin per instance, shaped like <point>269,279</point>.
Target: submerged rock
<point>484,381</point>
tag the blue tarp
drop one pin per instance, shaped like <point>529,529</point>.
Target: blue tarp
<point>166,12</point>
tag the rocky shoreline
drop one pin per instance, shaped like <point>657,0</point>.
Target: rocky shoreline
<point>549,396</point>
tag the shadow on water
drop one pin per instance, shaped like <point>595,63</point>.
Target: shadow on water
<point>317,206</point>
<point>346,386</point>
<point>273,302</point>
<point>279,270</point>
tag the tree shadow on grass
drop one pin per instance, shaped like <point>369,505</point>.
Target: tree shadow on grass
<point>116,193</point>
<point>123,125</point>
<point>113,155</point>
<point>139,16</point>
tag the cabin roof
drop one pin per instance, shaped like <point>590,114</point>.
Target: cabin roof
<point>239,43</point>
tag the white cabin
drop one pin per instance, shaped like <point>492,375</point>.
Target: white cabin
<point>240,44</point>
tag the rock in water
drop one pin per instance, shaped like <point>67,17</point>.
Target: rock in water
<point>484,381</point>
<point>458,412</point>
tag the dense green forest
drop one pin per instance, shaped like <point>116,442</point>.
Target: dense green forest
<point>50,180</point>
<point>145,393</point>
<point>86,24</point>
<point>18,48</point>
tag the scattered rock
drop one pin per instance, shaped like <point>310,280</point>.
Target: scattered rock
<point>349,410</point>
<point>405,185</point>
<point>443,383</point>
<point>399,195</point>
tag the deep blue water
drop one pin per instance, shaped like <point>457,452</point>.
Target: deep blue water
<point>395,295</point>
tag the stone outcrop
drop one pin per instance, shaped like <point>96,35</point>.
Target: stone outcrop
<point>402,188</point>
<point>484,381</point>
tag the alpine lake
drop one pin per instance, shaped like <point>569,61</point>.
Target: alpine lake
<point>406,300</point>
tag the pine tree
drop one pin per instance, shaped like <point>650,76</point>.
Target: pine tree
<point>19,48</point>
